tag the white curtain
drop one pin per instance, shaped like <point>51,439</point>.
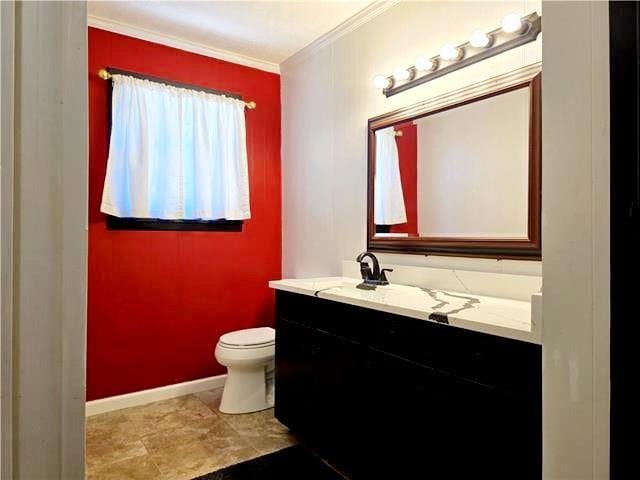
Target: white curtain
<point>175,153</point>
<point>388,199</point>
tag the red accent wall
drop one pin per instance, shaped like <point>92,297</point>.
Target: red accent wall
<point>408,159</point>
<point>158,301</point>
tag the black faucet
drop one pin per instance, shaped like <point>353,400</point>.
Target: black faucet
<point>371,278</point>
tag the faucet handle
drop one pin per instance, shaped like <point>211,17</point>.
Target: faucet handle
<point>383,275</point>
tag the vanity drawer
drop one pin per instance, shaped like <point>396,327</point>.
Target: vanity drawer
<point>495,361</point>
<point>347,321</point>
<point>487,359</point>
<point>293,307</point>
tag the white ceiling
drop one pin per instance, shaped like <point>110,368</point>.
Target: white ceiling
<point>269,31</point>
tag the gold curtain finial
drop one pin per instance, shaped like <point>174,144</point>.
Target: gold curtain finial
<point>250,105</point>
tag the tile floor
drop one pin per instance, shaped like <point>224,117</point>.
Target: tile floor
<point>177,439</point>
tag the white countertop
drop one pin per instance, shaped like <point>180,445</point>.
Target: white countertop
<point>496,316</point>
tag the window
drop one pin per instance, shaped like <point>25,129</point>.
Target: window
<point>177,157</point>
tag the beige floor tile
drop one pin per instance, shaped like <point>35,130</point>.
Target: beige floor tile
<point>248,421</point>
<point>186,460</point>
<point>188,431</point>
<point>163,407</point>
<point>137,468</point>
<point>111,438</point>
<point>271,443</point>
<point>262,430</point>
<point>168,415</point>
<point>109,417</point>
<point>226,441</point>
<point>256,424</point>
<point>211,398</point>
<point>180,438</point>
<point>231,456</point>
<point>109,449</point>
<point>196,458</point>
<point>112,423</point>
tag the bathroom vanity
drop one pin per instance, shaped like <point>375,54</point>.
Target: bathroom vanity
<point>403,382</point>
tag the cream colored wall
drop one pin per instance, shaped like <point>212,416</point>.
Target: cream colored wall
<point>327,98</point>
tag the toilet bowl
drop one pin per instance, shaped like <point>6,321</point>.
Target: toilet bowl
<point>249,358</point>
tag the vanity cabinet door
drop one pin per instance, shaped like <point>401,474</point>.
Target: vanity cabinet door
<point>409,435</point>
<point>430,424</point>
<point>338,395</point>
<point>319,389</point>
<point>294,376</point>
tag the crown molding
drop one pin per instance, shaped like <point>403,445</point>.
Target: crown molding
<point>187,45</point>
<point>363,16</point>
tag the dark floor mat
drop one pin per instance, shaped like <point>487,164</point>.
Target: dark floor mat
<point>293,463</point>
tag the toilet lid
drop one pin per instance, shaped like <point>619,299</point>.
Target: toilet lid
<point>249,337</point>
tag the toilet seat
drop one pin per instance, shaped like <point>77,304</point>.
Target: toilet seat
<point>246,347</point>
<point>249,338</point>
<point>243,356</point>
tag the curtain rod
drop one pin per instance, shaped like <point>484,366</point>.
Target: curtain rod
<point>106,74</point>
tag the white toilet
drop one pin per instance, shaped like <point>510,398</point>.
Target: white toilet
<point>249,358</point>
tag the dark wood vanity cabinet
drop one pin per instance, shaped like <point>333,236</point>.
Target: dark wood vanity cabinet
<point>386,396</point>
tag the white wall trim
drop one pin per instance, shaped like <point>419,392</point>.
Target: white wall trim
<point>143,397</point>
<point>175,42</point>
<point>349,25</point>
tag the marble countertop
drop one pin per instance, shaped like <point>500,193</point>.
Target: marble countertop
<point>496,316</point>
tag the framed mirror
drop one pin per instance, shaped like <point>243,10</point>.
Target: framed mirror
<point>459,174</point>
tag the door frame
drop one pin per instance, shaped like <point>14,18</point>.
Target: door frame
<point>43,148</point>
<point>575,240</point>
<point>7,35</point>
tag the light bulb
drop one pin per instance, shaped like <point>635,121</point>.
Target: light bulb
<point>450,52</point>
<point>511,23</point>
<point>401,74</point>
<point>424,63</point>
<point>479,39</point>
<point>380,81</point>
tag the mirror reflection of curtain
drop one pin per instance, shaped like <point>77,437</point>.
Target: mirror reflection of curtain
<point>408,159</point>
<point>389,206</point>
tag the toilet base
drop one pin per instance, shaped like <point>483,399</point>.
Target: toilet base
<point>245,391</point>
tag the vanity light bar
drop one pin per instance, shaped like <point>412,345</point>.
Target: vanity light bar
<point>514,32</point>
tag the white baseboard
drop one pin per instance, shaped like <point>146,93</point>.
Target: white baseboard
<point>143,397</point>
